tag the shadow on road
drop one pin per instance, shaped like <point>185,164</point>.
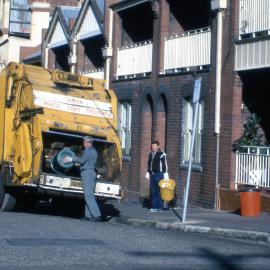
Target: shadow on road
<point>72,208</point>
<point>212,259</point>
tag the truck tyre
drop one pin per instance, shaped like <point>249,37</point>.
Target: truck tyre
<point>7,201</point>
<point>2,191</point>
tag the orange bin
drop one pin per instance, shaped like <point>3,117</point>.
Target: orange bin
<point>250,203</point>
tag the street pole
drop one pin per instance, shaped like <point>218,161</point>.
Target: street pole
<point>196,99</point>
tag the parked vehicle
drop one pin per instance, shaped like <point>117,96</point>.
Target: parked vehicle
<point>43,112</point>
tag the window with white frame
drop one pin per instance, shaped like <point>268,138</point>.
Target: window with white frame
<point>187,126</point>
<point>124,126</point>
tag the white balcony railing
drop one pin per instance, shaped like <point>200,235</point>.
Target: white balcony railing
<point>252,55</point>
<point>191,49</point>
<point>254,16</point>
<point>134,59</point>
<point>253,166</point>
<point>97,73</point>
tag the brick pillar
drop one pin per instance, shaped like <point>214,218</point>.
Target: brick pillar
<point>117,32</point>
<point>80,57</point>
<point>156,39</point>
<point>51,59</point>
<point>164,24</point>
<point>161,27</point>
<point>160,130</point>
<point>146,138</point>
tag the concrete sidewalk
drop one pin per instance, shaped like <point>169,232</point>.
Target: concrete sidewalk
<point>198,220</point>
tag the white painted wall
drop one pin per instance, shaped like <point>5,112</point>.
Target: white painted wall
<point>10,51</point>
<point>39,20</point>
<point>4,13</point>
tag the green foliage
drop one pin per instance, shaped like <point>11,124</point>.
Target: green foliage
<point>251,135</point>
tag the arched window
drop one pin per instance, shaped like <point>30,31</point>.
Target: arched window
<point>124,126</point>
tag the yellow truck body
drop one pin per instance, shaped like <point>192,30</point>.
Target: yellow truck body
<point>43,111</point>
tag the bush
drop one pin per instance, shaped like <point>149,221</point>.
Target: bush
<point>251,135</point>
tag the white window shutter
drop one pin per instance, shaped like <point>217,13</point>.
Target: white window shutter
<point>187,127</point>
<point>200,117</point>
<point>129,115</point>
<point>125,126</point>
<point>198,138</point>
<point>189,116</point>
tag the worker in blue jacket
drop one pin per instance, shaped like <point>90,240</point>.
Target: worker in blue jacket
<point>88,174</point>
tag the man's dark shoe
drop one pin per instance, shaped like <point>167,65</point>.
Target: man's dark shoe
<point>86,219</point>
<point>97,219</point>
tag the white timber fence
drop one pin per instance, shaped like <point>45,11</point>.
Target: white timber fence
<point>96,73</point>
<point>134,59</point>
<point>254,16</point>
<point>191,49</point>
<point>253,166</point>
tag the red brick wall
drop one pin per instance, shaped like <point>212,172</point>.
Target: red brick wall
<point>54,3</point>
<point>146,138</point>
<point>80,57</point>
<point>27,51</point>
<point>51,59</point>
<point>230,200</point>
<point>135,169</point>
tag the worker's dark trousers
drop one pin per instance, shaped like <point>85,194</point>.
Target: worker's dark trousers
<point>89,183</point>
<point>157,203</point>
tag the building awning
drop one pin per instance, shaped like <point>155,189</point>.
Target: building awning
<point>33,58</point>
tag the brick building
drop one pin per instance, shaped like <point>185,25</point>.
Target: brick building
<point>154,51</point>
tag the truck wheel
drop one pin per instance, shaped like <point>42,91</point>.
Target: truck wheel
<point>7,201</point>
<point>2,191</point>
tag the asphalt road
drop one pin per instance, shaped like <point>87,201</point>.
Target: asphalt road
<point>45,239</point>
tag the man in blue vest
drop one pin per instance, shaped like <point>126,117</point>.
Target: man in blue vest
<point>157,170</point>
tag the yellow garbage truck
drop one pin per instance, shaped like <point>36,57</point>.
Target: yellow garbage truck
<point>44,114</point>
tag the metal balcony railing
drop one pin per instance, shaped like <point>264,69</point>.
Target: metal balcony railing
<point>189,50</point>
<point>96,73</point>
<point>254,16</point>
<point>253,54</point>
<point>253,166</point>
<point>134,59</point>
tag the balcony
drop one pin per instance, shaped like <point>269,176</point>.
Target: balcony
<point>96,73</point>
<point>253,166</point>
<point>254,19</point>
<point>134,60</point>
<point>252,48</point>
<point>190,50</point>
<point>252,55</point>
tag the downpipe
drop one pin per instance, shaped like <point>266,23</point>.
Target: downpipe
<point>217,102</point>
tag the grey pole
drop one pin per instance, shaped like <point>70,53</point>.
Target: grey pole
<point>196,98</point>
